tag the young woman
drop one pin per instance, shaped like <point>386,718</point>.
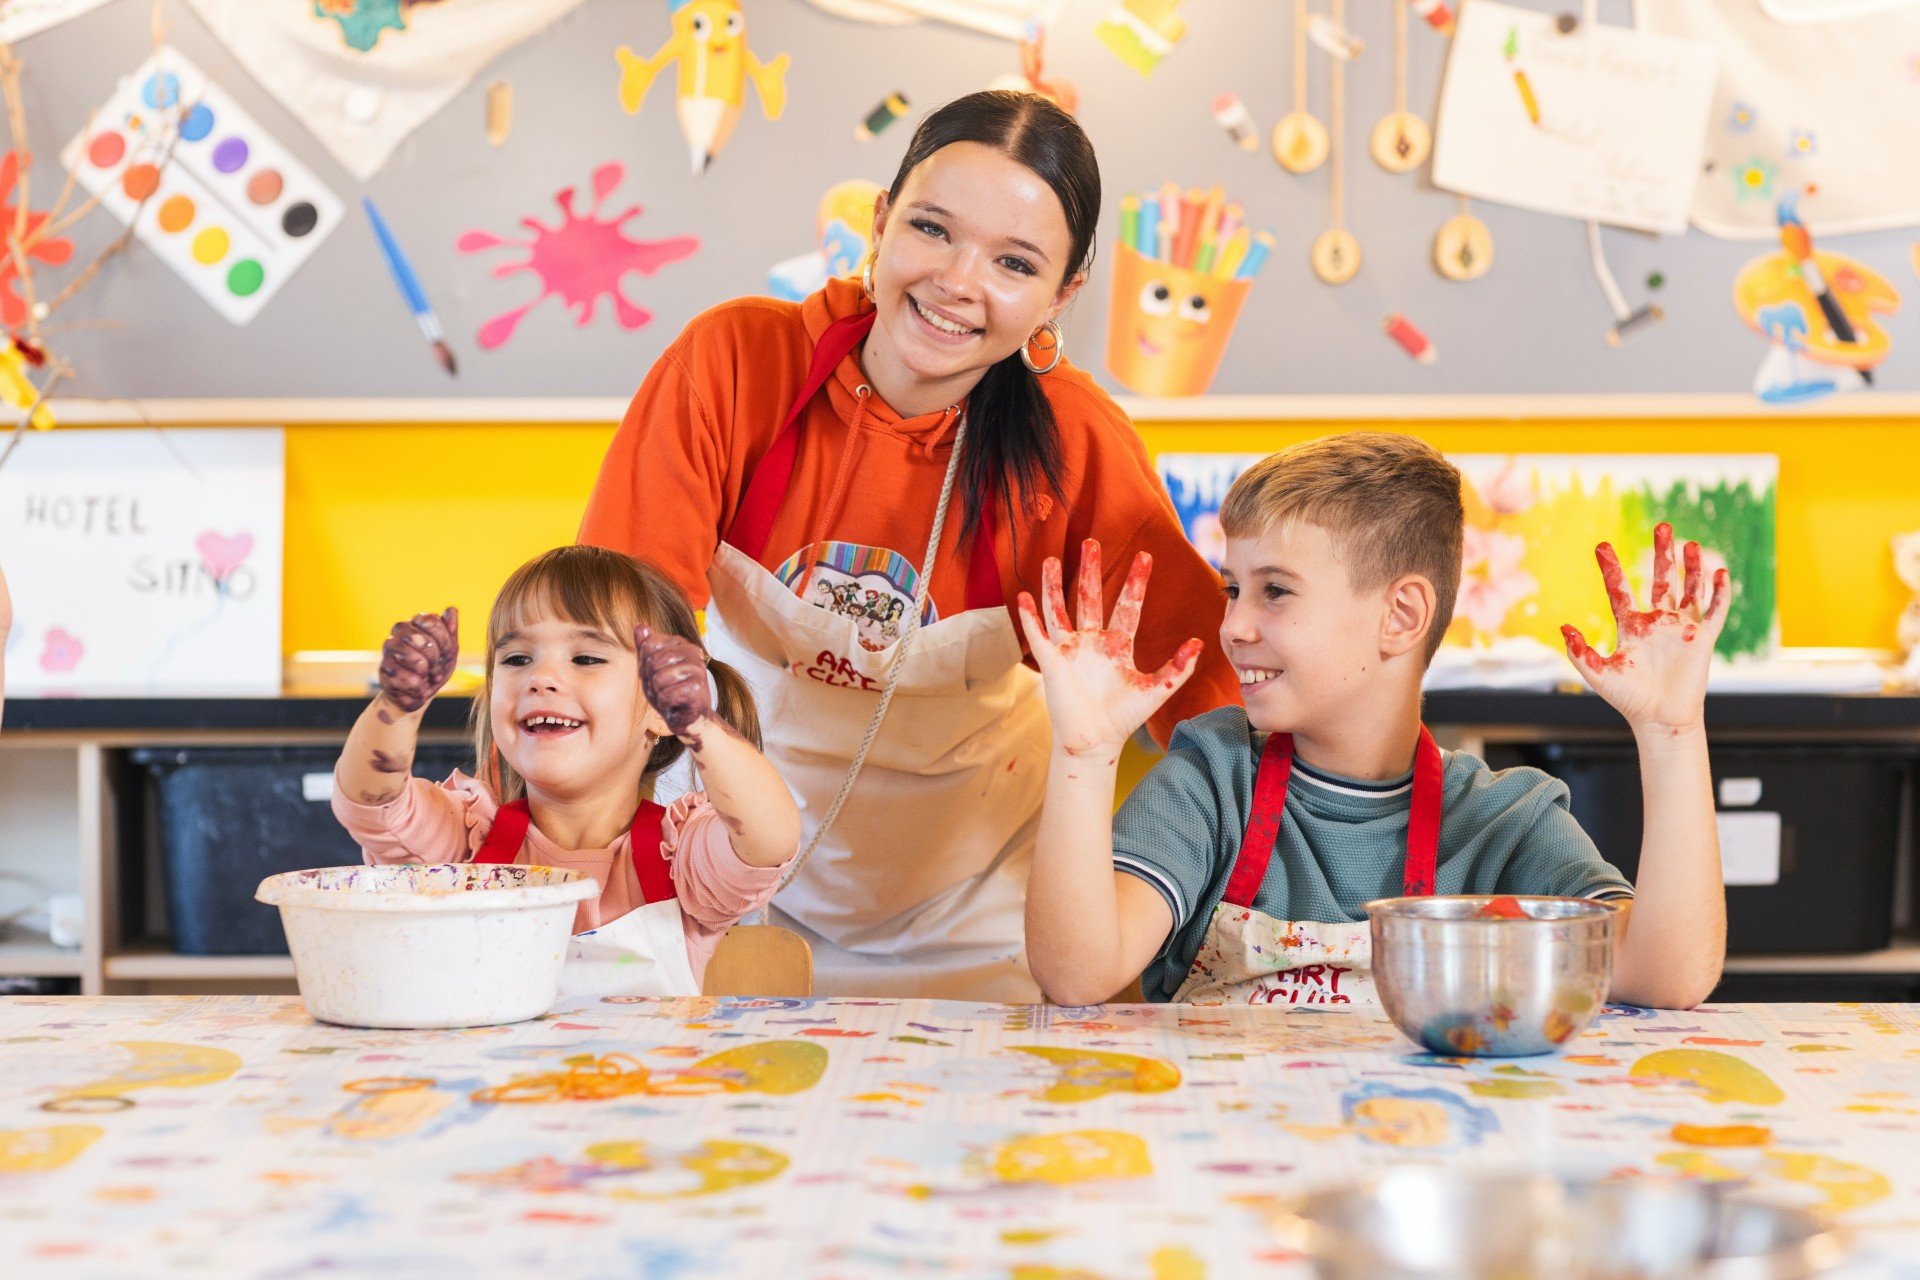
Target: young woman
<point>857,487</point>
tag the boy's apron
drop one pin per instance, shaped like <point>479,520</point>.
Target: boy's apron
<point>919,888</point>
<point>644,952</point>
<point>1250,957</point>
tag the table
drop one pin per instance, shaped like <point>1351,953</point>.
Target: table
<point>145,1136</point>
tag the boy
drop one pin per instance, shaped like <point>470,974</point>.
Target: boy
<point>1237,869</point>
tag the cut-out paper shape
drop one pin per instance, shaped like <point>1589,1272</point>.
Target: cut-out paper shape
<point>841,227</point>
<point>1142,32</point>
<point>22,18</point>
<point>1181,274</point>
<point>55,251</point>
<point>221,201</point>
<point>17,390</point>
<point>1032,76</point>
<point>1818,311</point>
<point>362,21</point>
<point>362,75</point>
<point>580,261</point>
<point>709,51</point>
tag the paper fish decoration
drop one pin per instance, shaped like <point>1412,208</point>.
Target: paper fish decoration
<point>713,63</point>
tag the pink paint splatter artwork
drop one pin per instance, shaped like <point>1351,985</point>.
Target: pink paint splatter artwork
<point>62,653</point>
<point>581,260</point>
<point>52,250</point>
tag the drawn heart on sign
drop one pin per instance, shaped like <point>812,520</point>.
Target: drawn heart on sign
<point>62,653</point>
<point>222,555</point>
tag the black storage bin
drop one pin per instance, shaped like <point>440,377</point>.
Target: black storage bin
<point>229,817</point>
<point>1839,807</point>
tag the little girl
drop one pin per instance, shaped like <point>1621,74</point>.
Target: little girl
<point>596,682</point>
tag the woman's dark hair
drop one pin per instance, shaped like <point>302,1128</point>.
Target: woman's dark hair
<point>1012,441</point>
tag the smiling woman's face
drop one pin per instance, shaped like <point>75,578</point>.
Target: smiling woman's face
<point>973,256</point>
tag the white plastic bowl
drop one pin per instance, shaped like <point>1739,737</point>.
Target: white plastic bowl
<point>456,945</point>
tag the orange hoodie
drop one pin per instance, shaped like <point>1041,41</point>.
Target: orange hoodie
<point>679,466</point>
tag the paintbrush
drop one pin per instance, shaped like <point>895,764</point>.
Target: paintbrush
<point>416,297</point>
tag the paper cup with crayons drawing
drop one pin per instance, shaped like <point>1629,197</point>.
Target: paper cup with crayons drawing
<point>1180,277</point>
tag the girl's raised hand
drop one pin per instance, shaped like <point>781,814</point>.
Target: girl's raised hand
<point>1657,675</point>
<point>673,676</point>
<point>1095,694</point>
<point>418,658</point>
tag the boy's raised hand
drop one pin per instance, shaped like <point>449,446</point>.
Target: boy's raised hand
<point>418,658</point>
<point>1657,675</point>
<point>1095,694</point>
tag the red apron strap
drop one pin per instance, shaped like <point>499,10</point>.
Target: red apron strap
<point>1263,824</point>
<point>753,522</point>
<point>508,834</point>
<point>1423,822</point>
<point>643,845</point>
<point>1270,804</point>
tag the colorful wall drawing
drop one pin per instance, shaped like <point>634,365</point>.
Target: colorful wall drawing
<point>1533,520</point>
<point>709,52</point>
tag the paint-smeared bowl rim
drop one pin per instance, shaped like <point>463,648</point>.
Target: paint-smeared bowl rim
<point>1442,908</point>
<point>439,889</point>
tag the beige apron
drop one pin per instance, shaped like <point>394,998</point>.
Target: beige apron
<point>644,952</point>
<point>919,887</point>
<point>1249,957</point>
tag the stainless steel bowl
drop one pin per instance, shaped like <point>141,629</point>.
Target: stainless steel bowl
<point>1465,984</point>
<point>1435,1224</point>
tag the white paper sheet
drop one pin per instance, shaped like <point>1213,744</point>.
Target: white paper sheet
<point>1605,123</point>
<point>143,563</point>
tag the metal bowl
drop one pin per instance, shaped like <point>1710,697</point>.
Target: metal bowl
<point>1434,1224</point>
<point>1462,983</point>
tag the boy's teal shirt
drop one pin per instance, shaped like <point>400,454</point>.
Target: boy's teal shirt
<point>1342,842</point>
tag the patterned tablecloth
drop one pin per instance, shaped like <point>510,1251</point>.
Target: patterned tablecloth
<point>233,1136</point>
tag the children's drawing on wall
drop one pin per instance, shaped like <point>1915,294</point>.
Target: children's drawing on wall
<point>711,58</point>
<point>146,564</point>
<point>580,261</point>
<point>362,75</point>
<point>1142,32</point>
<point>1819,312</point>
<point>1532,523</point>
<point>841,230</point>
<point>220,200</point>
<point>1182,272</point>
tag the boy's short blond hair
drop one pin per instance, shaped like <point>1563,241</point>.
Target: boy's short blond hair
<point>1392,504</point>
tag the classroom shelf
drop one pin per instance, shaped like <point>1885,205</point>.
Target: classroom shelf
<point>26,954</point>
<point>154,963</point>
<point>73,786</point>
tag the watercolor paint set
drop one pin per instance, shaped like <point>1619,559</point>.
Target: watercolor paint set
<point>222,201</point>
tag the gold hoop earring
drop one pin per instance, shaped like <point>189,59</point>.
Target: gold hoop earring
<point>866,272</point>
<point>1056,344</point>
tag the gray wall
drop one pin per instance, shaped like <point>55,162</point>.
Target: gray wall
<point>1533,324</point>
